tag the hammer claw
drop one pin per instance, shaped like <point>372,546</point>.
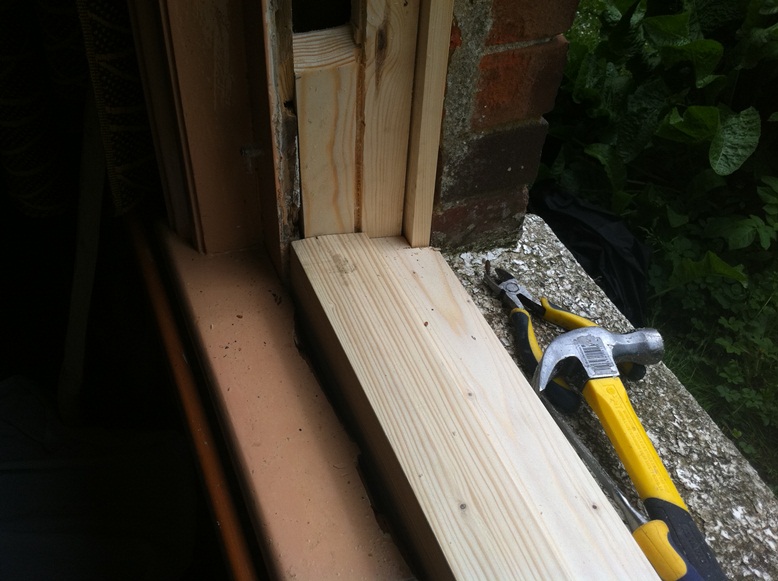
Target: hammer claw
<point>594,352</point>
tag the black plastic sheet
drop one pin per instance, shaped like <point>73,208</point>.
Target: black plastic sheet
<point>604,247</point>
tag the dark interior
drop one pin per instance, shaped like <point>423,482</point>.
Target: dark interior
<point>130,451</point>
<point>308,15</point>
<point>117,494</point>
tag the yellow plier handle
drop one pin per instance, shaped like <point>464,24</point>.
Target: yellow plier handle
<point>562,318</point>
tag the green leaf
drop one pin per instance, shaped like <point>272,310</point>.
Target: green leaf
<point>625,7</point>
<point>611,162</point>
<point>621,201</point>
<point>752,18</point>
<point>697,124</point>
<point>766,233</point>
<point>729,346</point>
<point>585,31</point>
<point>714,85</point>
<point>688,270</point>
<point>771,205</point>
<point>645,108</point>
<point>771,181</point>
<point>616,87</point>
<point>757,45</point>
<point>735,140</point>
<point>675,219</point>
<point>768,7</point>
<point>713,14</point>
<point>719,226</point>
<point>769,195</point>
<point>706,181</point>
<point>623,39</point>
<point>741,234</point>
<point>669,128</point>
<point>703,54</point>
<point>591,75</point>
<point>669,30</point>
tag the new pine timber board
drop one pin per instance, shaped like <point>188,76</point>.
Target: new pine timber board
<point>325,70</point>
<point>389,55</point>
<point>485,484</point>
<point>429,89</point>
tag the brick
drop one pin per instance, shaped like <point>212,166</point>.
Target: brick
<point>518,84</point>
<point>499,161</point>
<point>480,223</point>
<point>522,20</point>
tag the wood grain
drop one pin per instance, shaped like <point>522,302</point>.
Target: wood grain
<point>426,118</point>
<point>326,87</point>
<point>388,58</point>
<point>486,485</point>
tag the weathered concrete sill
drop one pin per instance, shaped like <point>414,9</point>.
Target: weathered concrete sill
<point>735,509</point>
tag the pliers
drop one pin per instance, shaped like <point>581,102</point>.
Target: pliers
<point>523,306</point>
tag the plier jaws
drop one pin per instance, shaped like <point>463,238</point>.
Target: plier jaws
<point>522,306</point>
<point>514,295</point>
<point>505,286</point>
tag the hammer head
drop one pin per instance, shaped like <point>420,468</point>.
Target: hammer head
<point>593,352</point>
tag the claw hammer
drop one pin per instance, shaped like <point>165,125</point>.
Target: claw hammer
<point>589,357</point>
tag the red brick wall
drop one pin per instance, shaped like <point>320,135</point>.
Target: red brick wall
<point>506,63</point>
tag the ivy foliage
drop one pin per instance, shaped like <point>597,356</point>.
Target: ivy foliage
<point>667,115</point>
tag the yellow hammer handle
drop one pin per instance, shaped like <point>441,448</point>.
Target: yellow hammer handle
<point>654,539</point>
<point>609,400</point>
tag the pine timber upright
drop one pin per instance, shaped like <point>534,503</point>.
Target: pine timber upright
<point>484,484</point>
